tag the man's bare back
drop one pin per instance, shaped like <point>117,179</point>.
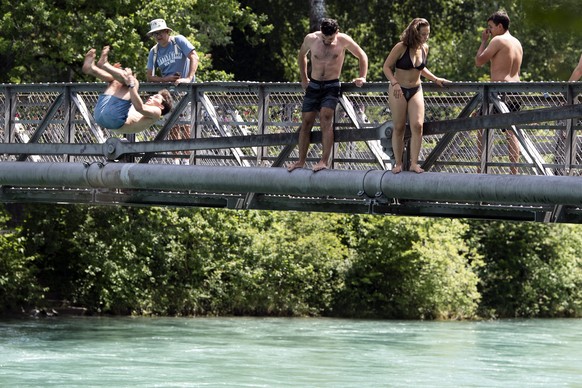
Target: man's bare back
<point>506,62</point>
<point>504,52</point>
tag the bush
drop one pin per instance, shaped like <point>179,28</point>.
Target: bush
<point>531,270</point>
<point>19,288</point>
<point>411,268</point>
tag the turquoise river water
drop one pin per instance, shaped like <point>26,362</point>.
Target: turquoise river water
<point>279,352</point>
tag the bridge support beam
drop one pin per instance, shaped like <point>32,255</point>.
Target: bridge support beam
<point>445,187</point>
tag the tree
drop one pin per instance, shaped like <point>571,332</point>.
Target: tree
<point>274,58</point>
<point>410,268</point>
<point>316,13</point>
<point>45,41</point>
<point>18,270</point>
<point>552,38</point>
<point>530,270</point>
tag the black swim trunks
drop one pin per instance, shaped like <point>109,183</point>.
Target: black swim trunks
<point>321,94</point>
<point>512,104</point>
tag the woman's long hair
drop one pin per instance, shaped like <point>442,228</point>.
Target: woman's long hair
<point>411,35</point>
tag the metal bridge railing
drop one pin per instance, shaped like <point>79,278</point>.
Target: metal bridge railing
<point>55,115</point>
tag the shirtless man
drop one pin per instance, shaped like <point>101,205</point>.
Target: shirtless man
<point>505,54</point>
<point>120,107</point>
<point>322,90</point>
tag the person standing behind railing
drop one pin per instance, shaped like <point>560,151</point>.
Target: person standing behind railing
<point>577,73</point>
<point>505,54</point>
<point>175,56</point>
<point>177,61</point>
<point>409,58</point>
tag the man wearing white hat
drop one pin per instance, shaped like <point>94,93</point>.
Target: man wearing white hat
<point>174,56</point>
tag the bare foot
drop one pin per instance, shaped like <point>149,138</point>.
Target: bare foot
<point>397,168</point>
<point>293,166</point>
<point>320,166</point>
<point>416,168</point>
<point>104,56</point>
<point>89,62</point>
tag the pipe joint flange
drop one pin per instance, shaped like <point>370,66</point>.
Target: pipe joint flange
<point>111,148</point>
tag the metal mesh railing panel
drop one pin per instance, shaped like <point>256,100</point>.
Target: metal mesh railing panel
<point>31,110</point>
<point>461,152</point>
<point>82,132</point>
<point>241,109</point>
<point>282,115</point>
<point>370,110</point>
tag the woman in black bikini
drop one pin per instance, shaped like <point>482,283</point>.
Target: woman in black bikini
<point>408,58</point>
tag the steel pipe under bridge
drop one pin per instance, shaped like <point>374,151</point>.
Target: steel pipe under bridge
<point>519,197</point>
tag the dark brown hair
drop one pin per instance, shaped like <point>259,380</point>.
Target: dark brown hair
<point>500,17</point>
<point>411,35</point>
<point>329,26</point>
<point>167,101</point>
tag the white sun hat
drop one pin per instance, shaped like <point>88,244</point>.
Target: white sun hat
<point>158,25</point>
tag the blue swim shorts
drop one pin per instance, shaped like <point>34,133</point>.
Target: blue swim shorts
<point>321,94</point>
<point>111,112</point>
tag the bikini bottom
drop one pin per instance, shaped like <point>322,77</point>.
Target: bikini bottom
<point>408,93</point>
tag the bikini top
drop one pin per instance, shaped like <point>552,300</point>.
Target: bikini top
<point>405,63</point>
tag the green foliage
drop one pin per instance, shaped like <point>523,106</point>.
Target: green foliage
<point>48,231</point>
<point>563,15</point>
<point>531,270</point>
<point>164,261</point>
<point>186,262</point>
<point>298,263</point>
<point>550,35</point>
<point>551,47</point>
<point>18,286</point>
<point>411,268</point>
<point>273,57</point>
<point>45,41</point>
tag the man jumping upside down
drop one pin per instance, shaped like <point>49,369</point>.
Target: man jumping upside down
<point>120,108</point>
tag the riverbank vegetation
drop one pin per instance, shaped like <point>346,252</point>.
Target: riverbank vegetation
<point>191,262</point>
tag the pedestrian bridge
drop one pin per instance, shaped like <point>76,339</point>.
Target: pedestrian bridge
<point>225,145</point>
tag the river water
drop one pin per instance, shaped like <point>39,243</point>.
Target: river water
<point>279,352</point>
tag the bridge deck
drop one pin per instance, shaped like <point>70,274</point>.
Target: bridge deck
<point>246,124</point>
